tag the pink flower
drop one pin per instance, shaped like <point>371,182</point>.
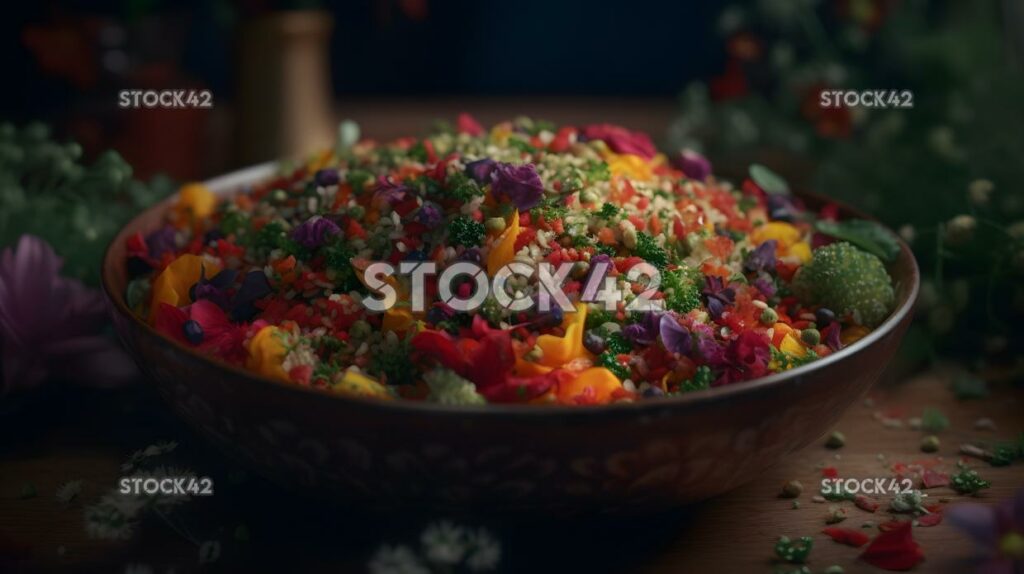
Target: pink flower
<point>52,325</point>
<point>621,140</point>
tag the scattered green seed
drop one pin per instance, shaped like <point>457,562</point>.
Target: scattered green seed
<point>835,440</point>
<point>930,443</point>
<point>792,489</point>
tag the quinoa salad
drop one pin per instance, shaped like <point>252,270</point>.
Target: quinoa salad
<point>670,280</point>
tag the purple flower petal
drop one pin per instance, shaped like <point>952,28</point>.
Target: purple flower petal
<point>480,170</point>
<point>762,258</point>
<point>692,164</point>
<point>161,241</point>
<point>430,215</point>
<point>519,183</point>
<point>977,521</point>
<point>765,285</point>
<point>674,336</point>
<point>216,289</point>
<point>326,177</point>
<point>255,286</point>
<point>313,232</point>
<point>388,192</point>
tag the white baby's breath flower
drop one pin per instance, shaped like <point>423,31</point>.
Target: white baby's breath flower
<point>444,543</point>
<point>396,560</point>
<point>485,551</point>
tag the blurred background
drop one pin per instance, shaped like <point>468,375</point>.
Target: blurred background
<point>738,81</point>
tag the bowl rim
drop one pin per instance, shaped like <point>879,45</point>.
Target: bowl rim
<point>236,181</point>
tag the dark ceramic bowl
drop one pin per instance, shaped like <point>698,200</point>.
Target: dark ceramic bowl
<point>622,457</point>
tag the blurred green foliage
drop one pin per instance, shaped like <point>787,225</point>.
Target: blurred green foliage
<point>47,190</point>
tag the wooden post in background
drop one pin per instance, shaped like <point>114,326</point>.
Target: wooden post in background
<point>284,87</point>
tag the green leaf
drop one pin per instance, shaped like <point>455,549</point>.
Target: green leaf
<point>870,236</point>
<point>768,180</point>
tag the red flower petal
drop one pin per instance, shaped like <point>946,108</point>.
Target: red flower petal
<point>894,549</point>
<point>441,346</point>
<point>830,472</point>
<point>170,321</point>
<point>467,124</point>
<point>848,536</point>
<point>932,479</point>
<point>930,519</point>
<point>865,503</point>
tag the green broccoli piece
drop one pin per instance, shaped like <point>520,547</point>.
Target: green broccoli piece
<point>649,249</point>
<point>448,388</point>
<point>608,211</point>
<point>466,232</point>
<point>847,280</point>
<point>701,380</point>
<point>618,344</point>
<point>459,186</point>
<point>682,289</point>
<point>609,361</point>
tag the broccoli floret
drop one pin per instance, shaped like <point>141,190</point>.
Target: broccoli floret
<point>618,344</point>
<point>847,280</point>
<point>459,186</point>
<point>649,249</point>
<point>609,361</point>
<point>608,211</point>
<point>682,289</point>
<point>464,231</point>
<point>701,380</point>
<point>448,388</point>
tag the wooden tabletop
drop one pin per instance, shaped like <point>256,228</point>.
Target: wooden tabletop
<point>69,434</point>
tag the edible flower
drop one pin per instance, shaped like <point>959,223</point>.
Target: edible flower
<point>315,231</point>
<point>692,164</point>
<point>997,531</point>
<point>503,250</point>
<point>480,170</point>
<point>519,183</point>
<point>52,325</point>
<point>674,336</point>
<point>894,549</point>
<point>267,352</point>
<point>486,359</point>
<point>195,202</point>
<point>717,295</point>
<point>762,258</point>
<point>174,284</point>
<point>621,140</point>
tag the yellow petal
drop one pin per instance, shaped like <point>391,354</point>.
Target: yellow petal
<point>172,285</point>
<point>852,334</point>
<point>398,319</point>
<point>503,250</point>
<point>195,202</point>
<point>560,350</point>
<point>600,379</point>
<point>782,232</point>
<point>790,345</point>
<point>800,250</point>
<point>357,384</point>
<point>629,165</point>
<point>267,353</point>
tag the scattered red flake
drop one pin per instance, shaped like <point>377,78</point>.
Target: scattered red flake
<point>930,519</point>
<point>830,472</point>
<point>932,478</point>
<point>865,503</point>
<point>891,525</point>
<point>848,536</point>
<point>894,549</point>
